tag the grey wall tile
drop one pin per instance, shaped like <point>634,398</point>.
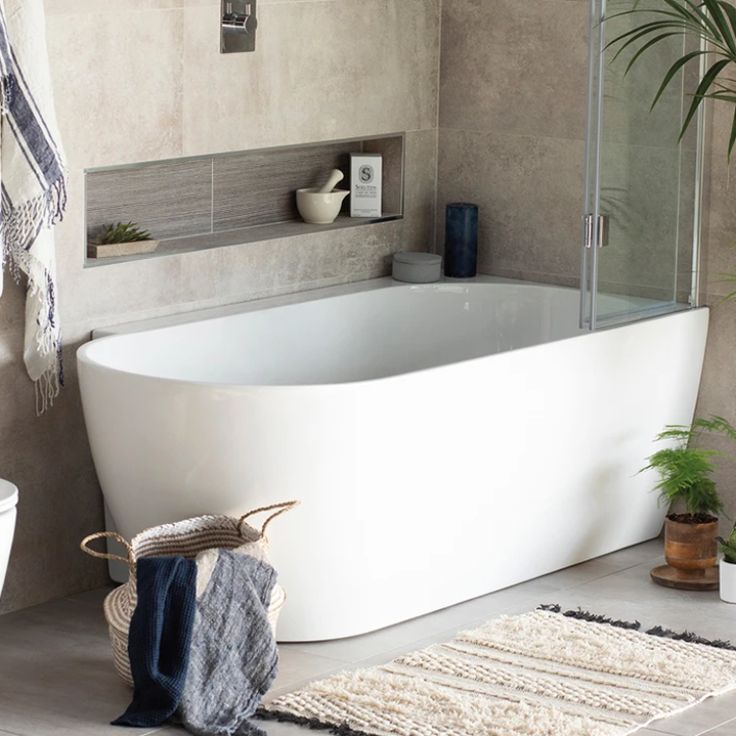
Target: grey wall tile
<point>514,66</point>
<point>168,199</point>
<point>254,188</point>
<point>117,77</point>
<point>529,193</point>
<point>324,70</point>
<point>420,195</point>
<point>392,150</point>
<point>59,499</point>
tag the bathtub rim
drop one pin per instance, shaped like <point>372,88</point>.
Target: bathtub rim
<point>302,296</point>
<point>268,303</point>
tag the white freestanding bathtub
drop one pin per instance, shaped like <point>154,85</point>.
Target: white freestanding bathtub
<point>445,440</point>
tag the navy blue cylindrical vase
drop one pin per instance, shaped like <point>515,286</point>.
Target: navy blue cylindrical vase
<point>461,240</point>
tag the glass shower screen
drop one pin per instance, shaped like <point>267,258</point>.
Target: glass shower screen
<point>642,190</point>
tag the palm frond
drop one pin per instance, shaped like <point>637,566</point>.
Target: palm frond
<point>711,23</point>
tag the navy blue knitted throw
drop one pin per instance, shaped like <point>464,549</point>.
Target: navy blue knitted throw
<point>160,638</point>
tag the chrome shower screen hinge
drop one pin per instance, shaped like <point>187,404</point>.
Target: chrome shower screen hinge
<point>596,228</point>
<point>238,23</point>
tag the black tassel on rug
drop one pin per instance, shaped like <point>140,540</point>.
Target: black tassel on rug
<point>659,631</point>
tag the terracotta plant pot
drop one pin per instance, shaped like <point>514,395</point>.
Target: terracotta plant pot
<point>691,547</point>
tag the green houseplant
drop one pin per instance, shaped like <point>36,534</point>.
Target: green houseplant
<point>712,23</point>
<point>685,471</point>
<point>728,567</point>
<point>121,239</point>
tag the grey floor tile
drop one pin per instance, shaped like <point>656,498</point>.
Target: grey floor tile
<point>92,598</point>
<point>359,648</point>
<point>725,729</point>
<point>57,655</point>
<point>700,719</point>
<point>56,675</point>
<point>631,595</point>
<point>297,667</point>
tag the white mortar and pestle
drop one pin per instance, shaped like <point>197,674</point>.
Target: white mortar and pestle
<point>321,206</point>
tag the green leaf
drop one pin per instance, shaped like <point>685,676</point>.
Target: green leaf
<point>730,12</point>
<point>634,34</point>
<point>697,13</point>
<point>703,87</point>
<point>643,34</point>
<point>685,469</point>
<point>720,21</point>
<point>672,71</point>
<point>122,233</point>
<point>648,45</point>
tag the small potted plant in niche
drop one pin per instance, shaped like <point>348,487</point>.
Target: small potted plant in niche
<point>121,239</point>
<point>728,567</point>
<point>685,480</point>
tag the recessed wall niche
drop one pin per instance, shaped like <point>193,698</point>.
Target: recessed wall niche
<point>224,199</point>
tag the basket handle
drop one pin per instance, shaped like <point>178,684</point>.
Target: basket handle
<point>281,508</point>
<point>129,560</point>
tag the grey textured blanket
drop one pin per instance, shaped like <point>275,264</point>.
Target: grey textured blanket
<point>233,656</point>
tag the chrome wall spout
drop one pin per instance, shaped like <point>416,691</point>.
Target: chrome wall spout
<point>238,26</point>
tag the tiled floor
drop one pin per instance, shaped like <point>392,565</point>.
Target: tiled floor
<point>56,676</point>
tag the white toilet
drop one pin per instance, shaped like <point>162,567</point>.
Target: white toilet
<point>8,501</point>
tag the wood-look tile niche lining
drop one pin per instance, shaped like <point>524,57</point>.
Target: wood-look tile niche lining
<point>209,201</point>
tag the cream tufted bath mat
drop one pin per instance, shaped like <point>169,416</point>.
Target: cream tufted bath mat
<point>539,674</point>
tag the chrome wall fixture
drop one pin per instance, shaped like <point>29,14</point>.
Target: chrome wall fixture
<point>238,26</point>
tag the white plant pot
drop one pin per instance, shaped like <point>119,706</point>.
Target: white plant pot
<point>728,581</point>
<point>8,500</point>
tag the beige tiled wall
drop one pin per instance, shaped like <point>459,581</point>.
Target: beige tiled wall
<point>512,129</point>
<point>718,387</point>
<point>513,91</point>
<point>138,80</point>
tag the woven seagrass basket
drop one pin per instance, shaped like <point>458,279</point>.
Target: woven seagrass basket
<point>187,539</point>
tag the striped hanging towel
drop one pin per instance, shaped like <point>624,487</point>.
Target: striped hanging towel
<point>33,181</point>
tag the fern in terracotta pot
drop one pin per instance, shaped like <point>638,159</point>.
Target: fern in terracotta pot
<point>685,483</point>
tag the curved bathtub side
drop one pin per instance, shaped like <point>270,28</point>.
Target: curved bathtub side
<point>418,491</point>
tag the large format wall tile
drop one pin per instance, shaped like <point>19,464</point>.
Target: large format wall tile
<point>48,458</point>
<point>324,70</point>
<point>510,66</point>
<point>512,125</point>
<point>529,193</point>
<point>118,84</point>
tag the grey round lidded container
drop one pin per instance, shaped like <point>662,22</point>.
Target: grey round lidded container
<point>417,268</point>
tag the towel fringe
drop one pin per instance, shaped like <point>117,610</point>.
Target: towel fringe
<point>47,389</point>
<point>19,230</point>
